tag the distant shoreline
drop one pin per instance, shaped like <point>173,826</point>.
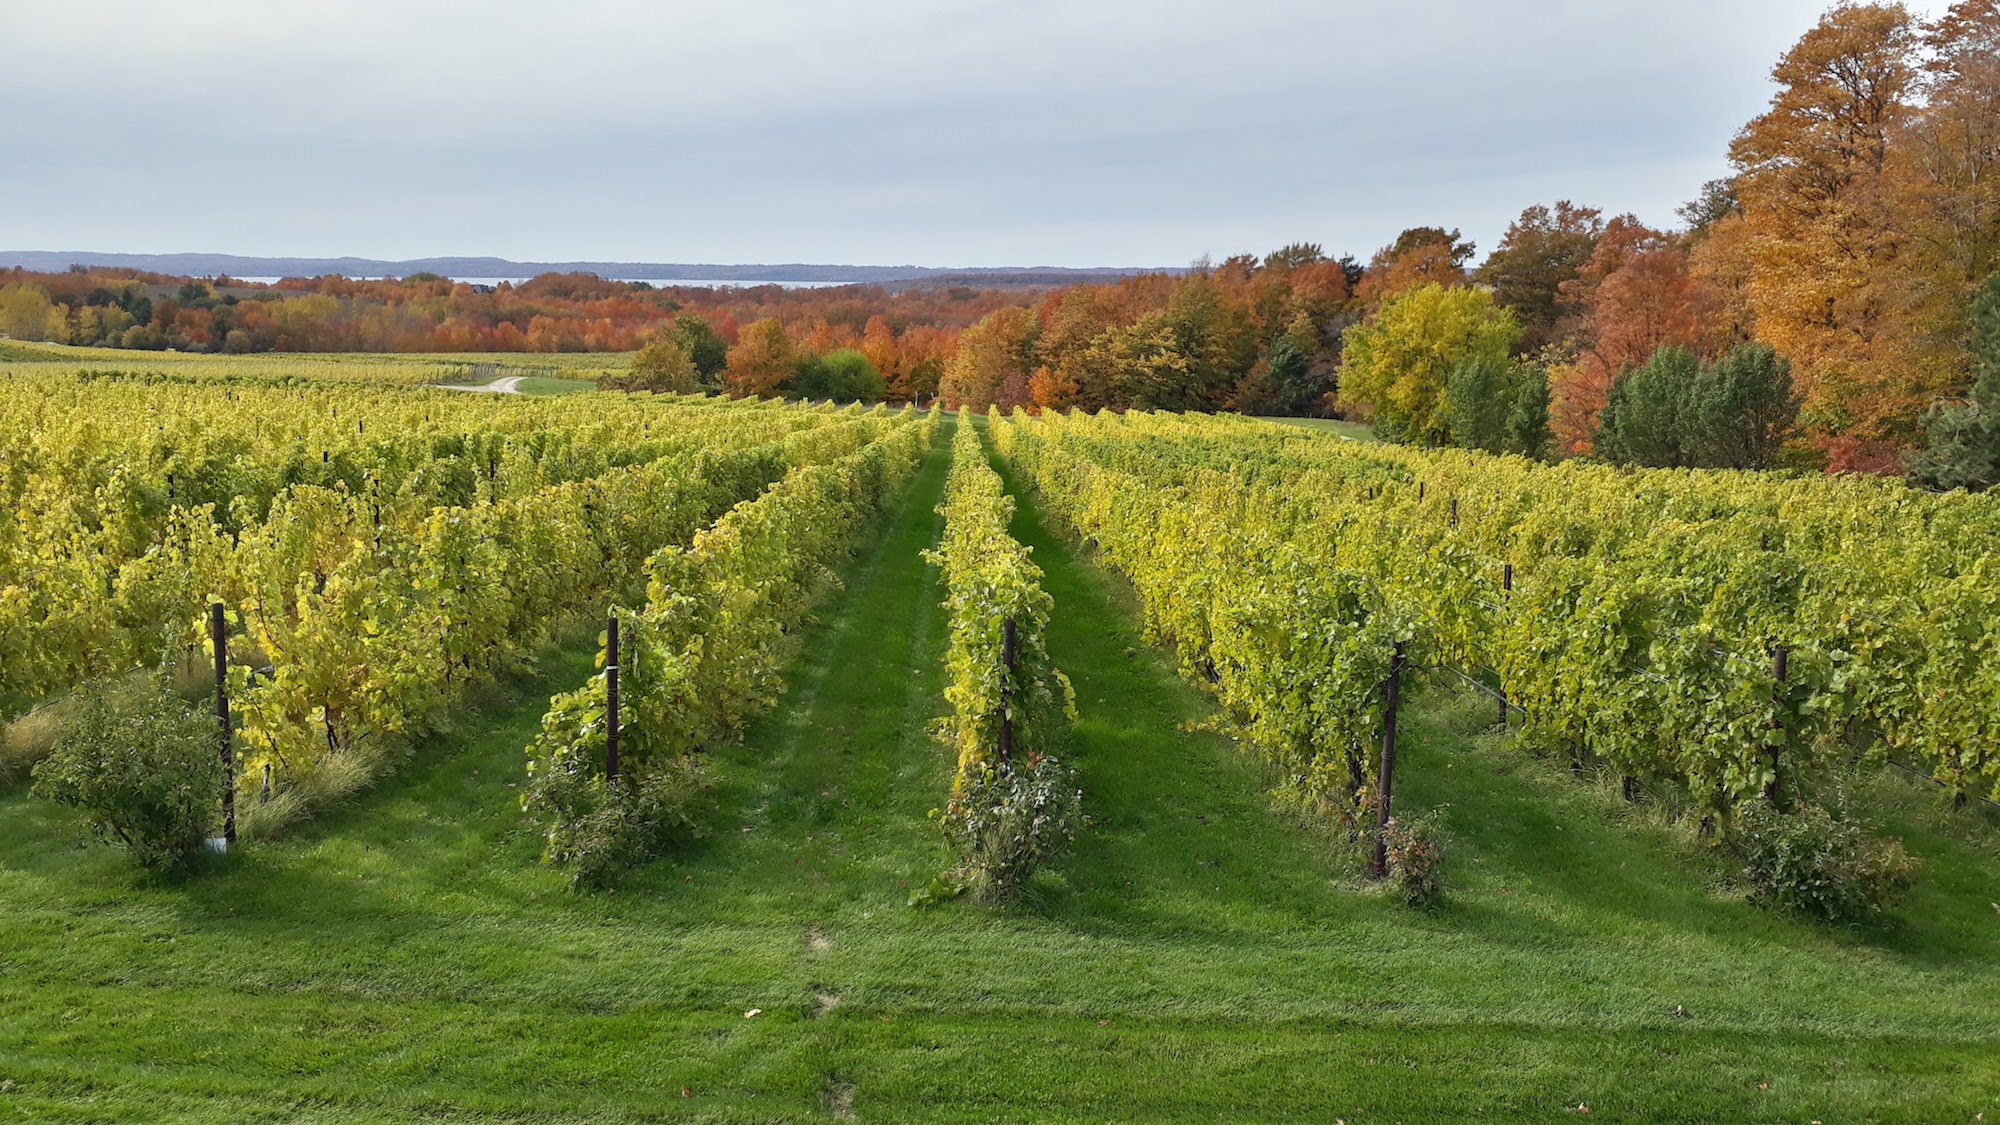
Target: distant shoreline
<point>488,270</point>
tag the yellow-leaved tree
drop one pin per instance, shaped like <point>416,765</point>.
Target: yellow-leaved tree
<point>1834,277</point>
<point>1397,364</point>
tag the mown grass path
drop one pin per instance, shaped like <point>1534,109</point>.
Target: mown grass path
<point>1197,959</point>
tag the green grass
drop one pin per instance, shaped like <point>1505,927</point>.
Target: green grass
<point>18,351</point>
<point>404,958</point>
<point>551,385</point>
<point>1355,431</point>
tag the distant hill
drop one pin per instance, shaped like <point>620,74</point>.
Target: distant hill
<point>235,265</point>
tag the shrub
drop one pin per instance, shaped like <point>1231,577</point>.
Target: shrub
<point>1007,821</point>
<point>1822,865</point>
<point>142,765</point>
<point>599,829</point>
<point>1417,847</point>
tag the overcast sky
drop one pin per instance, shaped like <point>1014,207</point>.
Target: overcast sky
<point>1014,132</point>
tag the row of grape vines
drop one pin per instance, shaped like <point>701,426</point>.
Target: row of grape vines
<point>1012,802</point>
<point>1008,699</point>
<point>379,550</point>
<point>704,652</point>
<point>1632,616</point>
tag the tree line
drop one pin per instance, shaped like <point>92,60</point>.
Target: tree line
<point>905,333</point>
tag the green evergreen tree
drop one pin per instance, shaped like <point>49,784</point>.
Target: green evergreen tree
<point>844,375</point>
<point>1528,430</point>
<point>1288,377</point>
<point>1744,407</point>
<point>1675,412</point>
<point>1965,438</point>
<point>1646,417</point>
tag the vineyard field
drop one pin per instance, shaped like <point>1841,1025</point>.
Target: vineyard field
<point>367,577</point>
<point>812,604</point>
<point>1246,623</point>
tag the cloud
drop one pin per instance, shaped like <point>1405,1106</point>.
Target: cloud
<point>900,131</point>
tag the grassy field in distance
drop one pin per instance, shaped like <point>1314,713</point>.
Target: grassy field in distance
<point>551,373</point>
<point>1353,431</point>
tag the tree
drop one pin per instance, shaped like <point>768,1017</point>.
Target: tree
<point>1397,364</point>
<point>763,361</point>
<point>1142,366</point>
<point>1479,396</point>
<point>1541,250</point>
<point>24,311</point>
<point>878,344</point>
<point>1744,409</point>
<point>994,359</point>
<point>662,367</point>
<point>1215,336</point>
<point>1834,277</point>
<point>1716,202</point>
<point>1636,295</point>
<point>843,375</point>
<point>1950,150</point>
<point>1647,419</point>
<point>1289,384</point>
<point>1528,421</point>
<point>1677,413</point>
<point>922,351</point>
<point>1070,321</point>
<point>1288,258</point>
<point>1419,256</point>
<point>1050,390</point>
<point>1965,438</point>
<point>704,346</point>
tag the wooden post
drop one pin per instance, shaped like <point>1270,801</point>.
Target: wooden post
<point>1506,591</point>
<point>1392,691</point>
<point>1779,672</point>
<point>1007,692</point>
<point>226,749</point>
<point>1420,490</point>
<point>1454,511</point>
<point>611,698</point>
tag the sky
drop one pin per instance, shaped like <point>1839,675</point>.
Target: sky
<point>885,132</point>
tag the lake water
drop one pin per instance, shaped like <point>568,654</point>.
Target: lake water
<point>660,283</point>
